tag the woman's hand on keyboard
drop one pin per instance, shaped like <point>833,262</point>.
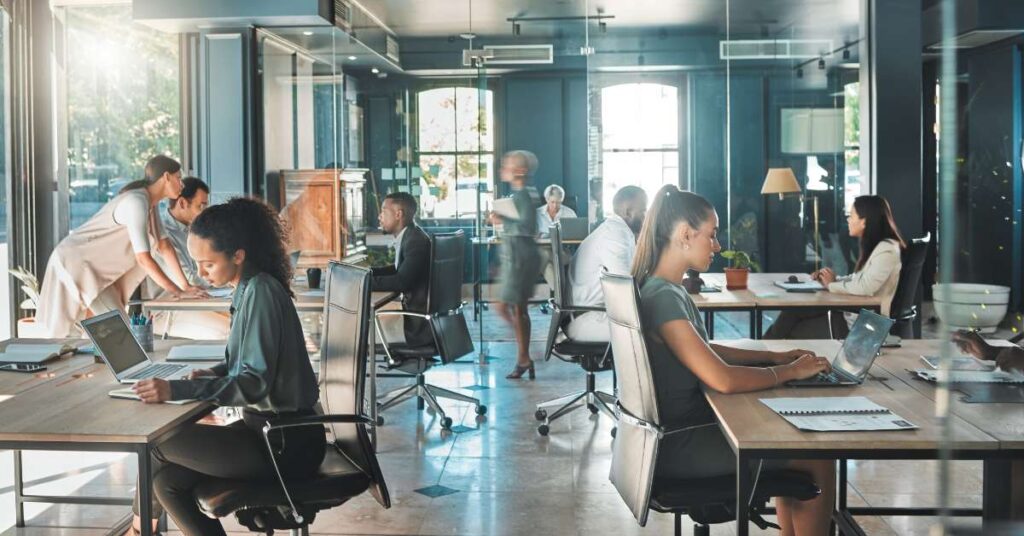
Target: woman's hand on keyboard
<point>807,366</point>
<point>787,357</point>
<point>153,391</point>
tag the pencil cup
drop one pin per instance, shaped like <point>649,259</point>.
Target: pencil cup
<point>144,334</point>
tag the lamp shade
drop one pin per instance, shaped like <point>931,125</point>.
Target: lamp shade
<point>780,181</point>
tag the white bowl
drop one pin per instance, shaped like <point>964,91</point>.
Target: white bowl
<point>971,293</point>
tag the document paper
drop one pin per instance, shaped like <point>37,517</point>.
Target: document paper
<point>837,414</point>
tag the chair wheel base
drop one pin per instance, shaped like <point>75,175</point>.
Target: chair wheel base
<point>543,430</point>
<point>593,409</point>
<point>481,410</point>
<point>446,423</point>
<point>614,432</point>
<point>540,415</point>
<point>380,420</point>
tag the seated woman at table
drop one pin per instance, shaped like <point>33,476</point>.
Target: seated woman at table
<point>876,274</point>
<point>678,234</point>
<point>1006,357</point>
<point>267,371</point>
<point>547,215</point>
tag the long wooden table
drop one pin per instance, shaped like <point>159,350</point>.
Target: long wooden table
<point>71,411</point>
<point>762,295</point>
<point>989,433</point>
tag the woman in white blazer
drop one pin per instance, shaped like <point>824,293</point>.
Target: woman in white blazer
<point>876,274</point>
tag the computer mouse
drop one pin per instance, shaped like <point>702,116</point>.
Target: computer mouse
<point>792,279</point>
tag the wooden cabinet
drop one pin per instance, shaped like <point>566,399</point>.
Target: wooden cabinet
<point>324,212</point>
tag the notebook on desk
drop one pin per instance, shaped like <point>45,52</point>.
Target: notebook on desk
<point>800,286</point>
<point>837,414</point>
<point>34,353</point>
<point>197,352</point>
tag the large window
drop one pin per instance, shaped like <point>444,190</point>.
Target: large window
<point>639,138</point>
<point>6,286</point>
<point>456,151</point>
<point>851,144</point>
<point>122,102</point>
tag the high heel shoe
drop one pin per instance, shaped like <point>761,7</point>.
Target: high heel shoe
<point>519,371</point>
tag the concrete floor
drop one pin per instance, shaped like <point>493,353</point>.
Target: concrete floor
<point>506,479</point>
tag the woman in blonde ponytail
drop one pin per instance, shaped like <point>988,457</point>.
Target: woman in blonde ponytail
<point>680,233</point>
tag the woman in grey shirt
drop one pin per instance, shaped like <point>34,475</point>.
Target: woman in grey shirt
<point>266,372</point>
<point>680,233</point>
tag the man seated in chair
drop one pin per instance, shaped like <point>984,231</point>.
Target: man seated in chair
<point>410,273</point>
<point>610,247</point>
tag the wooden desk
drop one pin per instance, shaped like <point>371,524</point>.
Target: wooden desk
<point>74,413</point>
<point>306,301</point>
<point>757,433</point>
<point>13,383</point>
<point>765,296</point>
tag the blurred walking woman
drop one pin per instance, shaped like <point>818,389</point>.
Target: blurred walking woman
<point>266,372</point>
<point>99,265</point>
<point>520,259</point>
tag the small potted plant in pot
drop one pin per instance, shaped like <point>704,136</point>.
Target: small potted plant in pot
<point>27,327</point>
<point>740,265</point>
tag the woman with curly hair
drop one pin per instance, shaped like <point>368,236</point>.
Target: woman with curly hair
<point>266,372</point>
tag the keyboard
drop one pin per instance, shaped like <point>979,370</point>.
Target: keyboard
<point>162,370</point>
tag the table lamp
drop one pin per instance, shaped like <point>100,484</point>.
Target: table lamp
<point>782,181</point>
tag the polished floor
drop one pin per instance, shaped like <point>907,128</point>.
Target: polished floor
<point>497,475</point>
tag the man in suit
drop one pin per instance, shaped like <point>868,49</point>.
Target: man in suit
<point>410,273</point>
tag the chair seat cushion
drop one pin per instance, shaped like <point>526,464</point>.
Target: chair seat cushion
<point>590,356</point>
<point>337,481</point>
<point>671,495</point>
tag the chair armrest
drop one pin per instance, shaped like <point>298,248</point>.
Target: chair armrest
<point>578,309</point>
<point>292,422</point>
<point>396,312</point>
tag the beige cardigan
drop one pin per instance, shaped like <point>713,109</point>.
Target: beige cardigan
<point>878,276</point>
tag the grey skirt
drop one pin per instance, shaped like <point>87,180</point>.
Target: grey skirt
<point>520,266</point>
<point>701,453</point>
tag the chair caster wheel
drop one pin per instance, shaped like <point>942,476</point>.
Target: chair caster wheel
<point>481,410</point>
<point>593,409</point>
<point>543,430</point>
<point>446,423</point>
<point>540,415</point>
<point>380,420</point>
<point>614,431</point>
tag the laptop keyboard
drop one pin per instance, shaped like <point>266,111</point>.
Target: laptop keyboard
<point>831,377</point>
<point>158,371</point>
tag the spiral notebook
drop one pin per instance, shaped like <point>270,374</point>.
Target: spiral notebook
<point>837,414</point>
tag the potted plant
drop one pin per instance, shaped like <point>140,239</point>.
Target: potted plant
<point>27,327</point>
<point>740,265</point>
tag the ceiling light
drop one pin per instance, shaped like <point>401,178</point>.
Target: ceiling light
<point>515,28</point>
<point>468,35</point>
<point>375,70</point>
<point>307,32</point>
<point>846,53</point>
<point>351,58</point>
<point>799,73</point>
<point>821,64</point>
<point>603,26</point>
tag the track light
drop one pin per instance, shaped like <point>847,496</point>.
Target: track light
<point>821,63</point>
<point>846,53</point>
<point>799,73</point>
<point>515,28</point>
<point>603,26</point>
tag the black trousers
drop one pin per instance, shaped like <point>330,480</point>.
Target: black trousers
<point>809,325</point>
<point>236,451</point>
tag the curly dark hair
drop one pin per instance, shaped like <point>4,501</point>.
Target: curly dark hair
<point>251,225</point>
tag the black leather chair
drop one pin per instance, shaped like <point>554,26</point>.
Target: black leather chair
<point>635,450</point>
<point>350,466</point>
<point>591,357</point>
<point>908,290</point>
<point>448,326</point>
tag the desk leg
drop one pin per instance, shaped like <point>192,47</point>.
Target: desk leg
<point>19,491</point>
<point>995,499</point>
<point>758,324</point>
<point>753,323</point>
<point>744,488</point>
<point>145,489</point>
<point>843,476</point>
<point>709,321</point>
<point>371,357</point>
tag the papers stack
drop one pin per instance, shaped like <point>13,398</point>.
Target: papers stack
<point>837,414</point>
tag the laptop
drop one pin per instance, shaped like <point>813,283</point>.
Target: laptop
<point>574,228</point>
<point>850,366</point>
<point>124,355</point>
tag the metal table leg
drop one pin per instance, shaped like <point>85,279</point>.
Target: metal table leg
<point>744,489</point>
<point>19,491</point>
<point>145,490</point>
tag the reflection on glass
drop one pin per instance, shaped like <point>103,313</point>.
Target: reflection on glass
<point>122,102</point>
<point>456,151</point>
<point>5,285</point>
<point>639,137</point>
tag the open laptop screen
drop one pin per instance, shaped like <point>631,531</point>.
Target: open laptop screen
<point>862,344</point>
<point>110,333</point>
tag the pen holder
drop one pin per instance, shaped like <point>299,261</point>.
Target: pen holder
<point>144,334</point>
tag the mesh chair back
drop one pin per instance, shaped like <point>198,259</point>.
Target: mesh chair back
<point>908,288</point>
<point>446,261</point>
<point>343,349</point>
<point>635,450</point>
<point>562,297</point>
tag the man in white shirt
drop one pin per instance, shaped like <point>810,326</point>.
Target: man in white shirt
<point>610,247</point>
<point>176,218</point>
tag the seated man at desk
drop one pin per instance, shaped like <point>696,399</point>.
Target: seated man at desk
<point>610,247</point>
<point>176,219</point>
<point>410,274</point>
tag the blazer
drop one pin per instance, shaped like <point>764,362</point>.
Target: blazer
<point>878,276</point>
<point>412,279</point>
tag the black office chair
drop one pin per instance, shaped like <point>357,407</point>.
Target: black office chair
<point>590,356</point>
<point>350,466</point>
<point>908,290</point>
<point>635,450</point>
<point>447,325</point>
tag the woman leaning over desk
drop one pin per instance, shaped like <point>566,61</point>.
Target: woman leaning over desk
<point>679,234</point>
<point>876,274</point>
<point>267,371</point>
<point>99,265</point>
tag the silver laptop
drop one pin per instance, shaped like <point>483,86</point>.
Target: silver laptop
<point>124,355</point>
<point>851,364</point>
<point>574,228</point>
